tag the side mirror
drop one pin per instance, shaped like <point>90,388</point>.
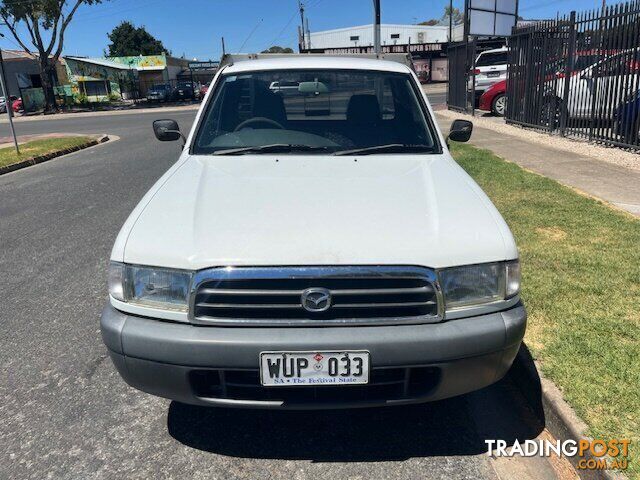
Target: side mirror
<point>167,131</point>
<point>460,131</point>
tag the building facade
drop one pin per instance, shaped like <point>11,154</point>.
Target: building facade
<point>426,44</point>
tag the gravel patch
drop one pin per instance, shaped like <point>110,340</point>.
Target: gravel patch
<point>612,155</point>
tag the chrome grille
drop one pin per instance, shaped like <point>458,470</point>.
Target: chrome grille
<point>273,296</point>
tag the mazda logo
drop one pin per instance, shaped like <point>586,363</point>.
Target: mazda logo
<point>316,299</point>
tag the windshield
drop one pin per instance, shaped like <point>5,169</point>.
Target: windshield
<point>492,59</point>
<point>321,111</point>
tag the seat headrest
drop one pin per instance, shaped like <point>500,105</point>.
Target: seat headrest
<point>363,109</point>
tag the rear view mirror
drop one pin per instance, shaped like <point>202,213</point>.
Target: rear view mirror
<point>167,130</point>
<point>313,87</point>
<point>460,131</point>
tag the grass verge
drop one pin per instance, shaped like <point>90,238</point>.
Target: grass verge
<point>581,286</point>
<point>39,147</point>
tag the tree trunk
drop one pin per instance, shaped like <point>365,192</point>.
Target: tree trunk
<point>46,70</point>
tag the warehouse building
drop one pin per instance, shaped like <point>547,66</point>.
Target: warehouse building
<point>427,45</point>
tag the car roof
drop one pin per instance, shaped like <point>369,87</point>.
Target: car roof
<point>496,50</point>
<point>317,62</point>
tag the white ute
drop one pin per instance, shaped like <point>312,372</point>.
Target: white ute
<point>319,249</point>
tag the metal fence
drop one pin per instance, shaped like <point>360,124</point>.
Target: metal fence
<point>460,56</point>
<point>579,75</point>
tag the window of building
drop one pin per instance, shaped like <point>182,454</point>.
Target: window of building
<point>395,35</point>
<point>98,88</point>
<point>354,38</point>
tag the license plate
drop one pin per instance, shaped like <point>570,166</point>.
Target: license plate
<point>493,74</point>
<point>292,369</point>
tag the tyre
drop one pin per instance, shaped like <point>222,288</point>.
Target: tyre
<point>550,113</point>
<point>499,105</point>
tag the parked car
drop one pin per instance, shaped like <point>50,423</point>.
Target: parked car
<point>159,93</point>
<point>17,105</point>
<point>627,120</point>
<point>494,99</point>
<point>491,68</point>
<point>203,90</point>
<point>184,91</point>
<point>3,103</point>
<point>595,91</point>
<point>346,261</point>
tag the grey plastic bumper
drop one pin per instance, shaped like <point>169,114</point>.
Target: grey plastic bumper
<point>157,357</point>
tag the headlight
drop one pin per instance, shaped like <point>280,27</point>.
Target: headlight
<point>475,285</point>
<point>149,286</point>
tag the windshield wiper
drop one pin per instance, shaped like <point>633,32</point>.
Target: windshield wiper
<point>273,148</point>
<point>389,148</point>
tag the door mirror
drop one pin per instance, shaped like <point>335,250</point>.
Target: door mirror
<point>167,130</point>
<point>460,131</point>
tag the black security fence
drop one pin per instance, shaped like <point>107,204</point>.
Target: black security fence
<point>579,75</point>
<point>459,96</point>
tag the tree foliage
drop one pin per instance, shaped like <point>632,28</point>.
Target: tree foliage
<point>45,22</point>
<point>458,17</point>
<point>127,40</point>
<point>277,49</point>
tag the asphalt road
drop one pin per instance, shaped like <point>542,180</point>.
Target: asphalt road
<point>64,411</point>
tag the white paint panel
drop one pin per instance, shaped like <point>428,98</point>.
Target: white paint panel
<point>506,6</point>
<point>481,23</point>
<point>484,4</point>
<point>504,23</point>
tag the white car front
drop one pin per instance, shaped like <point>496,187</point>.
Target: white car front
<point>329,227</point>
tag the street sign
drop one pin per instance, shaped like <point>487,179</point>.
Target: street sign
<point>492,18</point>
<point>203,65</point>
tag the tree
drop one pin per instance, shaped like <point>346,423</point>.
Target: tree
<point>46,22</point>
<point>277,49</point>
<point>127,40</point>
<point>458,18</point>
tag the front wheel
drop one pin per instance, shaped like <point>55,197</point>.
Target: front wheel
<point>499,106</point>
<point>551,112</point>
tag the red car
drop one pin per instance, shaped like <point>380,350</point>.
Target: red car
<point>203,90</point>
<point>494,99</point>
<point>17,105</point>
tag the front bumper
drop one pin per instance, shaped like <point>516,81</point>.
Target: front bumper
<point>178,361</point>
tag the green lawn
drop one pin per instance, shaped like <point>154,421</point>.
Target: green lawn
<point>581,286</point>
<point>39,147</point>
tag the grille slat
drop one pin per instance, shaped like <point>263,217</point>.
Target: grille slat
<point>246,305</point>
<point>384,305</point>
<point>375,295</point>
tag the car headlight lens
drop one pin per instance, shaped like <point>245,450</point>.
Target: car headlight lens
<point>149,286</point>
<point>475,285</point>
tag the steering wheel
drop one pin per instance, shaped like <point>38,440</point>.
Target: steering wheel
<point>263,120</point>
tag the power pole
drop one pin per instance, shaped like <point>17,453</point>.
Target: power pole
<point>7,102</point>
<point>301,7</point>
<point>376,26</point>
<point>450,21</point>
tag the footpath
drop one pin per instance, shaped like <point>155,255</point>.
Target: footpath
<point>615,184</point>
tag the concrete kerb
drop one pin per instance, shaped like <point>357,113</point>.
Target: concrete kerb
<point>51,155</point>
<point>555,414</point>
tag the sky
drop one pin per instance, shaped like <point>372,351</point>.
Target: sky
<point>194,27</point>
